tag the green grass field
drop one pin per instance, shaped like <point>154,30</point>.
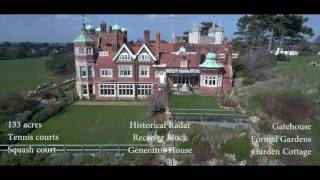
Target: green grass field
<point>94,125</point>
<point>194,102</point>
<point>23,74</point>
<point>298,68</point>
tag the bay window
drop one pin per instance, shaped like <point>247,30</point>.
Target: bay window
<point>211,81</point>
<point>107,90</point>
<point>125,90</point>
<point>144,90</point>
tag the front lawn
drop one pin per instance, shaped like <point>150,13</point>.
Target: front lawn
<point>194,101</point>
<point>94,125</point>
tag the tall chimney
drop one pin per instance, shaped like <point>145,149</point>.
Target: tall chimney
<point>103,27</point>
<point>158,45</point>
<point>146,35</point>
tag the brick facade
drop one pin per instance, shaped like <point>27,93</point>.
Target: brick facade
<point>115,69</point>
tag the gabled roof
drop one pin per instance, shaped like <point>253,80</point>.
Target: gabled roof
<point>144,46</point>
<point>124,46</point>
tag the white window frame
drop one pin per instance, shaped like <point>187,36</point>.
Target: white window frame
<point>234,56</point>
<point>84,87</point>
<point>211,80</point>
<point>219,81</point>
<point>109,74</point>
<point>144,57</point>
<point>159,73</point>
<point>184,64</point>
<point>127,67</point>
<point>85,70</point>
<point>89,51</point>
<point>107,88</point>
<point>222,56</point>
<point>103,53</point>
<point>124,57</point>
<point>144,69</point>
<point>143,90</point>
<point>124,89</point>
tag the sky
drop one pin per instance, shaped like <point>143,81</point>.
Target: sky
<point>65,27</point>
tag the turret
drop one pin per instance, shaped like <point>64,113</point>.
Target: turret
<point>84,61</point>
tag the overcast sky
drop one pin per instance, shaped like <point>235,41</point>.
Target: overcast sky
<point>64,28</point>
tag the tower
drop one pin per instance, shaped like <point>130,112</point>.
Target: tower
<point>218,34</point>
<point>84,62</point>
<point>211,31</point>
<point>194,34</point>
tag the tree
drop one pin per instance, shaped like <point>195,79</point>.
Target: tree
<point>258,65</point>
<point>11,102</point>
<point>205,26</point>
<point>261,30</point>
<point>316,42</point>
<point>61,65</point>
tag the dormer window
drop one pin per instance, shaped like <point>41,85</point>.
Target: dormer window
<point>144,57</point>
<point>183,63</point>
<point>103,53</point>
<point>124,57</point>
<point>222,56</point>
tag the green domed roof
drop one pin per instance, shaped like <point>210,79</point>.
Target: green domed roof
<point>123,29</point>
<point>116,27</point>
<point>211,62</point>
<point>83,37</point>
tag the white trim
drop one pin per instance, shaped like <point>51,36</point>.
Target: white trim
<point>146,47</point>
<point>148,71</point>
<point>124,46</point>
<point>107,69</point>
<point>114,90</point>
<point>217,79</point>
<point>118,90</point>
<point>125,76</point>
<point>222,55</point>
<point>144,89</point>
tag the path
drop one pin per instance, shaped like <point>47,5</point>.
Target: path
<point>239,125</point>
<point>112,103</point>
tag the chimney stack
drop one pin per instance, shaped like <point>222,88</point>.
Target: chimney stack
<point>146,36</point>
<point>103,27</point>
<point>158,45</point>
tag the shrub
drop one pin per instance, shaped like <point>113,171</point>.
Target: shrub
<point>227,101</point>
<point>201,148</point>
<point>288,106</point>
<point>11,102</point>
<point>156,104</point>
<point>282,57</point>
<point>47,95</point>
<point>258,65</point>
<point>248,81</point>
<point>240,146</point>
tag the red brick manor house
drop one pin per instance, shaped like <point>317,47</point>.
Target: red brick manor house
<point>108,67</point>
